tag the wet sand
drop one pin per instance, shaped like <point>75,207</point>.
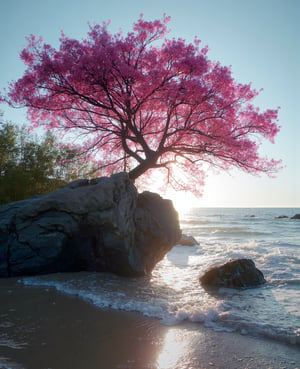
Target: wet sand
<point>42,329</point>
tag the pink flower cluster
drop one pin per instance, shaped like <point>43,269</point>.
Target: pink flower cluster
<point>144,101</point>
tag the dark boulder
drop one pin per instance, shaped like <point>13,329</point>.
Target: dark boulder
<point>95,225</point>
<point>281,217</point>
<point>296,216</point>
<point>187,240</point>
<point>237,273</point>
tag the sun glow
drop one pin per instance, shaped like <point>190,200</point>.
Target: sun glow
<point>182,201</point>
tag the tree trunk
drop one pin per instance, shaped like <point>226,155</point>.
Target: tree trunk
<point>140,169</point>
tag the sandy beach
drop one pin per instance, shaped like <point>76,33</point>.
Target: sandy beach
<point>41,328</point>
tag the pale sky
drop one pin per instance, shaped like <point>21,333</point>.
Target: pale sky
<point>258,38</point>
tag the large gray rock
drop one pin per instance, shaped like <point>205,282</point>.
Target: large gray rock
<point>96,225</point>
<point>236,273</point>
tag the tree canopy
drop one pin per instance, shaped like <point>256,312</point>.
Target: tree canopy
<point>30,165</point>
<point>142,100</point>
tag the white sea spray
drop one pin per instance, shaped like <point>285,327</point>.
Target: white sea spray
<point>173,293</point>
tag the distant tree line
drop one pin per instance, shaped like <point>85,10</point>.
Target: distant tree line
<point>32,165</point>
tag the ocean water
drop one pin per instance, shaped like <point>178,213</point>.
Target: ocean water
<point>173,294</point>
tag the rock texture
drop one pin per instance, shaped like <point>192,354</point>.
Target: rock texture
<point>296,216</point>
<point>187,240</point>
<point>96,225</point>
<point>237,273</point>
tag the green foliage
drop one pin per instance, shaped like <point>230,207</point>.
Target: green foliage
<point>31,166</point>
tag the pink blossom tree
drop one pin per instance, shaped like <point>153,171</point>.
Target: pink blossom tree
<point>143,101</point>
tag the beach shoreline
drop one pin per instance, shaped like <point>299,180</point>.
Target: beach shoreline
<point>43,328</point>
